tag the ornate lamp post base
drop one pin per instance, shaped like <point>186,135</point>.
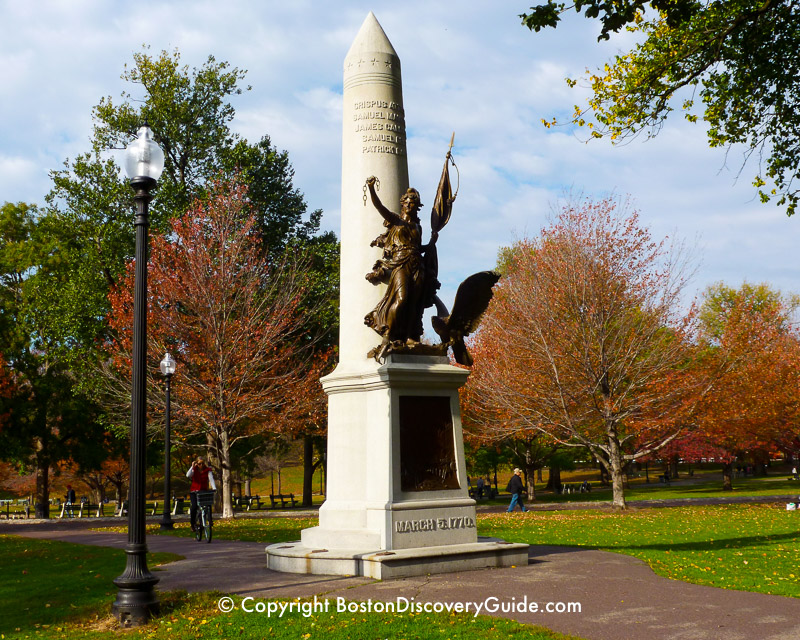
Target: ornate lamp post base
<point>136,599</point>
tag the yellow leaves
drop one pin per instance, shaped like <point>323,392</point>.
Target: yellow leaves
<point>729,546</point>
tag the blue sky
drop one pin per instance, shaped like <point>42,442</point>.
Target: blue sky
<point>468,67</point>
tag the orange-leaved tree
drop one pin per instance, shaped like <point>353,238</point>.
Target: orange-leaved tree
<point>234,319</point>
<point>586,339</point>
<point>749,338</point>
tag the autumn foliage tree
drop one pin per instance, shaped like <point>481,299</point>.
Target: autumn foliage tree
<point>586,339</point>
<point>234,321</point>
<point>749,337</point>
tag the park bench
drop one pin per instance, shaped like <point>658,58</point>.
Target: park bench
<point>571,488</point>
<point>284,498</point>
<point>21,509</point>
<point>249,503</point>
<point>77,509</point>
<point>124,509</point>
<point>178,506</point>
<point>488,493</point>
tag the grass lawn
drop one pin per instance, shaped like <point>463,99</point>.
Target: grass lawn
<point>744,547</point>
<point>46,583</point>
<point>62,590</point>
<point>291,482</point>
<point>704,486</point>
<point>266,530</point>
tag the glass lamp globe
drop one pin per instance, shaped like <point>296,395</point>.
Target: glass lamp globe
<point>143,157</point>
<point>168,365</point>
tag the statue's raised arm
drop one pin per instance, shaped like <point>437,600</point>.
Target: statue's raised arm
<point>389,216</point>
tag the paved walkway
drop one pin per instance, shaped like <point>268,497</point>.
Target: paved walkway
<point>620,596</point>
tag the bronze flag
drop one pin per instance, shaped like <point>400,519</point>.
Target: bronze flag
<point>443,204</point>
<point>440,216</point>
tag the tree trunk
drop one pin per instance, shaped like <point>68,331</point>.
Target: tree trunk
<point>530,469</point>
<point>727,476</point>
<point>554,481</point>
<point>673,467</point>
<point>247,487</point>
<point>308,470</point>
<point>42,507</point>
<point>615,469</point>
<point>225,463</point>
<point>539,475</point>
<point>530,479</point>
<point>118,486</point>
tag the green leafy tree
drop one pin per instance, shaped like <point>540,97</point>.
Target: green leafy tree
<point>47,418</point>
<point>735,63</point>
<point>190,113</point>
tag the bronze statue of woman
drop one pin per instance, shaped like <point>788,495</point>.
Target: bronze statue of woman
<point>398,316</point>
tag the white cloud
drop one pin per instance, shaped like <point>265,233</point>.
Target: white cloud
<point>473,70</point>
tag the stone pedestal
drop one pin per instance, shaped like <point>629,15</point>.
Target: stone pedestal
<point>398,503</point>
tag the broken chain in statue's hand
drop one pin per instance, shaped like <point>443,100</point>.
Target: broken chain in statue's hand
<point>370,180</point>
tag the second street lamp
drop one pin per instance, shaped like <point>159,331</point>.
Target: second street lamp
<point>136,599</point>
<point>167,369</point>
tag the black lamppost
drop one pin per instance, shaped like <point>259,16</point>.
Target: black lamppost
<point>167,368</point>
<point>136,598</point>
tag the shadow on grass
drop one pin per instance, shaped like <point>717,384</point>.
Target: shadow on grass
<point>700,545</point>
<point>708,545</point>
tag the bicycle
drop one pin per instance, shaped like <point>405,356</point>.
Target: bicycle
<point>205,500</point>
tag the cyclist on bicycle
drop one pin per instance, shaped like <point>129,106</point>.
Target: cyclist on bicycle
<point>202,479</point>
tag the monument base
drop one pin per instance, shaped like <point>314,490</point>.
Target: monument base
<point>294,557</point>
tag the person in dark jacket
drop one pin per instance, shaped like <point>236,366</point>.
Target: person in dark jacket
<point>70,500</point>
<point>515,488</point>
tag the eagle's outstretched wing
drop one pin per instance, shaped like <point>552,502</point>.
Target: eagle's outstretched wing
<point>472,300</point>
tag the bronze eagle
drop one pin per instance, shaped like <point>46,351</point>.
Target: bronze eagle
<point>472,300</point>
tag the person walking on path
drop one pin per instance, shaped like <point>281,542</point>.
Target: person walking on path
<point>515,489</point>
<point>202,479</point>
<point>70,500</point>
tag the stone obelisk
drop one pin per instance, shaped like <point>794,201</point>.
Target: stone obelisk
<point>396,500</point>
<point>373,143</point>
